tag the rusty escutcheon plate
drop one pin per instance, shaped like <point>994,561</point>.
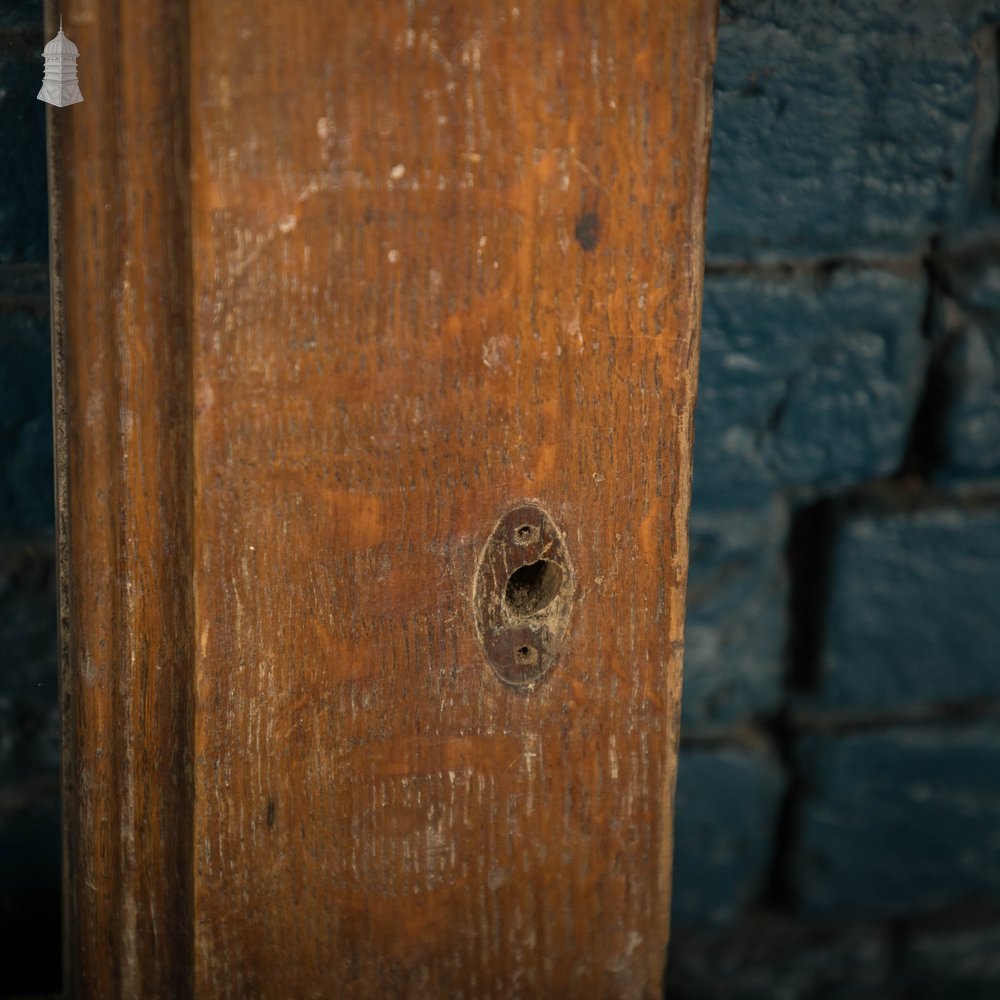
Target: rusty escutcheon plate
<point>523,594</point>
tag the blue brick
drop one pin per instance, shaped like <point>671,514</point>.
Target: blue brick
<point>736,615</point>
<point>23,185</point>
<point>898,822</point>
<point>970,428</point>
<point>29,734</point>
<point>27,613</point>
<point>806,381</point>
<point>27,282</point>
<point>26,488</point>
<point>22,14</point>
<point>972,274</point>
<point>30,834</point>
<point>770,958</point>
<point>954,962</point>
<point>9,734</point>
<point>845,127</point>
<point>29,715</point>
<point>726,809</point>
<point>912,618</point>
<point>29,740</point>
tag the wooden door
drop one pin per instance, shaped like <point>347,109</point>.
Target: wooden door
<point>376,340</point>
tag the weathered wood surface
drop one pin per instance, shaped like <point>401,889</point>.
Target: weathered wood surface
<point>122,386</point>
<point>444,259</point>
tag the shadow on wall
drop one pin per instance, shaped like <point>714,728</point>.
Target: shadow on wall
<point>839,787</point>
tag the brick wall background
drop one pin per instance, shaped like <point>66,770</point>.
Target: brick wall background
<point>29,722</point>
<point>838,804</point>
<point>838,810</point>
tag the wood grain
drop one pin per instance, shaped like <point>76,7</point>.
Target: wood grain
<point>443,260</point>
<point>122,386</point>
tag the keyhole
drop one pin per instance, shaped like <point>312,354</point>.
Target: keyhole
<point>532,587</point>
<point>522,593</point>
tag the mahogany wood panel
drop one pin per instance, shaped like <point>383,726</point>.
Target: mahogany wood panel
<point>372,276</point>
<point>121,265</point>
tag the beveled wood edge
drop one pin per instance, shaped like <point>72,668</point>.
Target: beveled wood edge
<point>60,469</point>
<point>179,961</point>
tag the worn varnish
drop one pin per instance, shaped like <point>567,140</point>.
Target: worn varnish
<point>369,278</point>
<point>122,386</point>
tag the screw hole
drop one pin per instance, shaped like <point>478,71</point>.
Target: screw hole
<point>525,655</point>
<point>526,534</point>
<point>533,587</point>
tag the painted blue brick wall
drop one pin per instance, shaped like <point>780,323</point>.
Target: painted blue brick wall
<point>26,488</point>
<point>726,864</point>
<point>23,212</point>
<point>970,428</point>
<point>29,725</point>
<point>774,958</point>
<point>847,126</point>
<point>844,592</point>
<point>899,820</point>
<point>807,380</point>
<point>945,962</point>
<point>914,610</point>
<point>29,706</point>
<point>21,14</point>
<point>737,615</point>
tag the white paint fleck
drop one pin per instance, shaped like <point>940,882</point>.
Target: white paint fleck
<point>393,256</point>
<point>288,223</point>
<point>493,353</point>
<point>573,328</point>
<point>397,172</point>
<point>323,129</point>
